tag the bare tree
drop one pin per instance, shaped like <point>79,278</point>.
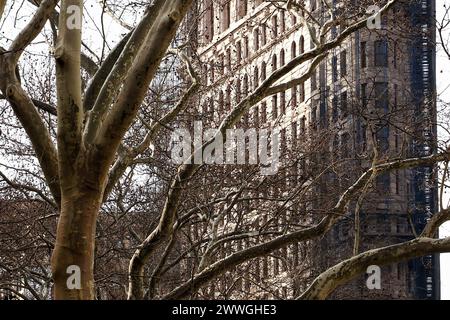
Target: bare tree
<point>109,120</point>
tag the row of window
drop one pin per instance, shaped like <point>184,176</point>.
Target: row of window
<point>242,52</point>
<point>380,54</point>
<point>375,224</point>
<point>240,8</point>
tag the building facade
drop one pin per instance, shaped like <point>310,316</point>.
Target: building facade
<point>374,92</point>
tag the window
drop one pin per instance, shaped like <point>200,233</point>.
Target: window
<point>381,95</point>
<point>283,143</point>
<point>314,116</point>
<point>395,55</point>
<point>283,102</point>
<point>302,45</point>
<point>345,145</point>
<point>334,107</point>
<point>282,58</point>
<point>283,21</point>
<point>228,60</point>
<point>212,72</point>
<point>228,98</point>
<point>344,103</point>
<point>274,27</point>
<point>256,116</point>
<point>313,81</point>
<point>396,140</point>
<point>221,102</point>
<point>263,71</point>
<point>364,95</point>
<point>209,20</point>
<point>303,124</point>
<point>334,68</point>
<point>294,132</point>
<point>238,91</point>
<point>256,39</point>
<point>238,51</point>
<point>361,137</point>
<point>293,50</point>
<point>225,20</point>
<point>395,96</point>
<point>246,51</point>
<point>383,182</point>
<point>222,63</point>
<point>302,91</point>
<point>294,97</point>
<point>242,9</point>
<point>397,182</point>
<point>263,34</point>
<point>255,78</point>
<point>293,20</point>
<point>205,74</point>
<point>313,5</point>
<point>381,53</point>
<point>211,108</point>
<point>274,62</point>
<point>245,86</point>
<point>382,136</point>
<point>313,36</point>
<point>263,112</point>
<point>343,63</point>
<point>274,107</point>
<point>363,55</point>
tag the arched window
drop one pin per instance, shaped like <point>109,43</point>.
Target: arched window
<point>255,78</point>
<point>302,45</point>
<point>293,20</point>
<point>274,26</point>
<point>282,58</point>
<point>293,50</point>
<point>263,71</point>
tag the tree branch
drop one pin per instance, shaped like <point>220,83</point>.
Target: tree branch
<point>68,81</point>
<point>343,272</point>
<point>186,171</point>
<point>321,228</point>
<point>33,28</point>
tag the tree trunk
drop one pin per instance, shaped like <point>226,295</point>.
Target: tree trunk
<point>75,243</point>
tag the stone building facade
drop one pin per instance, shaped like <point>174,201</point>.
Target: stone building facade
<point>371,74</point>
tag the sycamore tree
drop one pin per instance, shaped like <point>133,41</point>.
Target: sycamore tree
<point>106,110</point>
